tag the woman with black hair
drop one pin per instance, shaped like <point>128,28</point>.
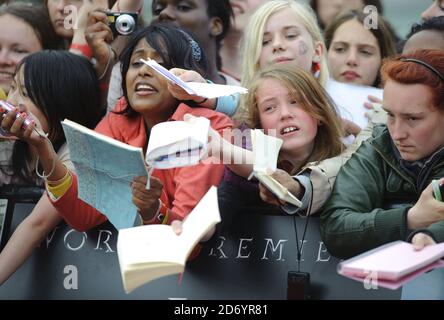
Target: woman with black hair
<point>146,102</point>
<point>48,87</point>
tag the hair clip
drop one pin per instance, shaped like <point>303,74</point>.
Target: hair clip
<point>195,48</point>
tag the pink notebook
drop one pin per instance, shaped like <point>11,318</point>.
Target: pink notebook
<point>392,264</point>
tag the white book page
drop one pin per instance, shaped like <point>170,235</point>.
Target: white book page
<point>148,244</point>
<point>265,151</point>
<point>201,219</point>
<point>206,90</point>
<point>350,100</point>
<point>212,90</point>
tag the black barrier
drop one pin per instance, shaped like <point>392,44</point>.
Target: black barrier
<point>9,196</point>
<point>252,262</point>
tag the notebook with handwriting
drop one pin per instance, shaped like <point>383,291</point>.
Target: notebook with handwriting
<point>175,144</point>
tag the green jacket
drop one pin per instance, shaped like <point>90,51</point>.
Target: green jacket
<point>369,203</point>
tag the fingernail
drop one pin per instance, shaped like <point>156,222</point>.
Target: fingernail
<point>23,115</point>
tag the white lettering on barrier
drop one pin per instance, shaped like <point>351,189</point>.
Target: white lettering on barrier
<point>68,245</point>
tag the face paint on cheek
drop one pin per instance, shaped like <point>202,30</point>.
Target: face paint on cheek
<point>303,48</point>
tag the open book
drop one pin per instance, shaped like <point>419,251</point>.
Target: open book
<point>206,90</point>
<point>265,155</point>
<point>153,251</point>
<point>177,143</point>
<point>393,264</point>
<point>105,167</point>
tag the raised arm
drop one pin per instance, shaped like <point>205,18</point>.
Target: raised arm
<point>238,159</point>
<point>28,235</point>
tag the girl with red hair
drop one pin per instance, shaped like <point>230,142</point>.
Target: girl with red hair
<point>385,192</point>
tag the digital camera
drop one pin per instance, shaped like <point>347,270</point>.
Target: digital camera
<point>122,23</point>
<point>8,107</point>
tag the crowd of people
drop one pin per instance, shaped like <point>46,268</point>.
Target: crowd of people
<point>368,191</point>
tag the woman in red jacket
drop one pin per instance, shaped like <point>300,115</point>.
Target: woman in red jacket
<point>146,102</point>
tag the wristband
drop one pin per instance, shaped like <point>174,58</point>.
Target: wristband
<point>83,48</point>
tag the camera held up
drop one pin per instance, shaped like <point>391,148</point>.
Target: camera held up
<point>122,23</point>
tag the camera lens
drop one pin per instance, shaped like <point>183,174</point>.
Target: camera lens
<point>125,24</point>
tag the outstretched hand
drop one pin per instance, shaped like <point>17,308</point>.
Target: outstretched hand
<point>216,143</point>
<point>292,185</point>
<point>186,76</point>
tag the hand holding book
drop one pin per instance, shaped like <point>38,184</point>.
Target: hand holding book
<point>265,154</point>
<point>152,251</point>
<point>180,93</point>
<point>281,176</point>
<point>206,90</point>
<point>261,163</point>
<point>393,264</point>
<point>421,240</point>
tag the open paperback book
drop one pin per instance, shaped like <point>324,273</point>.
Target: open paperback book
<point>177,143</point>
<point>153,251</point>
<point>393,264</point>
<point>265,155</point>
<point>206,90</point>
<point>105,167</point>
